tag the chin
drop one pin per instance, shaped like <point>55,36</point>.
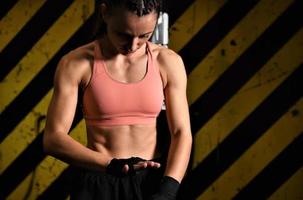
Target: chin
<point>125,52</point>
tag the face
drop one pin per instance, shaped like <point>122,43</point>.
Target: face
<point>127,32</point>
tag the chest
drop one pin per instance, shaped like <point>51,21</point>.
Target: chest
<point>108,95</point>
<point>127,72</point>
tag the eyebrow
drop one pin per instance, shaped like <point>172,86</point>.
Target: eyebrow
<point>124,33</point>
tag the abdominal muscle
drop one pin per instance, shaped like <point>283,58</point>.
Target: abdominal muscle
<point>123,141</point>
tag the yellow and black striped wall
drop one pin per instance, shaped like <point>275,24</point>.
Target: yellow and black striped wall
<point>244,61</point>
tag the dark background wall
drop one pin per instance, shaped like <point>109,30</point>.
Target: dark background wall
<point>244,61</point>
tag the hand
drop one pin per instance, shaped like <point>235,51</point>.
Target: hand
<point>121,167</point>
<point>141,165</point>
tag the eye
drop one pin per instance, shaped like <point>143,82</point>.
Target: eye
<point>124,35</point>
<point>144,36</point>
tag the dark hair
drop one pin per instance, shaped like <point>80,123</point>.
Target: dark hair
<point>139,7</point>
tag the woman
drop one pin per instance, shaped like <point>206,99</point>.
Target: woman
<point>124,79</point>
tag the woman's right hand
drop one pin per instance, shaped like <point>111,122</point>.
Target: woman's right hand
<point>142,165</point>
<point>121,167</point>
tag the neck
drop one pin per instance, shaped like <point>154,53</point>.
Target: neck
<point>109,52</point>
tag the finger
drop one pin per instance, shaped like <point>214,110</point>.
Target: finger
<point>157,165</point>
<point>125,168</point>
<point>145,164</point>
<point>153,164</point>
<point>148,163</point>
<point>140,165</point>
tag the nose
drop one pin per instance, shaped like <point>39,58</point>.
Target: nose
<point>135,43</point>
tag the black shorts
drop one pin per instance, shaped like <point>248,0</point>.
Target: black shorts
<point>91,185</point>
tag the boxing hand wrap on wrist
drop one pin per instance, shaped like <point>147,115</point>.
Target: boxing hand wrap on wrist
<point>115,167</point>
<point>168,189</point>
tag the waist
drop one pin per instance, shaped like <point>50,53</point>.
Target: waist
<point>124,141</point>
<point>120,120</point>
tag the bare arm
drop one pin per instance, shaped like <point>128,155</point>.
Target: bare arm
<point>61,111</point>
<point>177,115</point>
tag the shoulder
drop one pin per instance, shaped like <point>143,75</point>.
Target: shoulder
<point>169,62</point>
<point>166,58</point>
<point>162,53</point>
<point>78,57</point>
<point>74,65</point>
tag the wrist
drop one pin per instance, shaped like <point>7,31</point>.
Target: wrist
<point>169,185</point>
<point>171,178</point>
<point>102,162</point>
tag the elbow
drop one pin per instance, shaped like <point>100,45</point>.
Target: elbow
<point>184,136</point>
<point>45,143</point>
<point>48,143</point>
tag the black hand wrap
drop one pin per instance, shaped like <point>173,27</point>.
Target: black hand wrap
<point>168,189</point>
<point>116,165</point>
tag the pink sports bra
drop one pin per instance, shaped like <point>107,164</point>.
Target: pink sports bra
<point>107,101</point>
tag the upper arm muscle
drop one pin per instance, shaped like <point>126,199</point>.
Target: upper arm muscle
<point>62,108</point>
<point>175,92</point>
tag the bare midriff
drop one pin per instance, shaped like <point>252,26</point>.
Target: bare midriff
<point>124,141</point>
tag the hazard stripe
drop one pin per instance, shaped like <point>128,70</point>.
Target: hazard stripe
<point>234,48</point>
<point>38,56</point>
<point>24,133</point>
<point>248,98</point>
<point>48,170</point>
<point>176,9</point>
<point>6,5</point>
<point>260,154</point>
<point>262,118</point>
<point>60,189</point>
<point>192,54</point>
<point>21,133</point>
<point>253,59</point>
<point>276,173</point>
<point>30,187</point>
<point>291,189</point>
<point>16,18</point>
<point>13,175</point>
<point>25,101</point>
<point>191,21</point>
<point>233,44</point>
<point>34,29</point>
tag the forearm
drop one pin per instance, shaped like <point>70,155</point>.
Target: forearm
<point>65,148</point>
<point>178,156</point>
